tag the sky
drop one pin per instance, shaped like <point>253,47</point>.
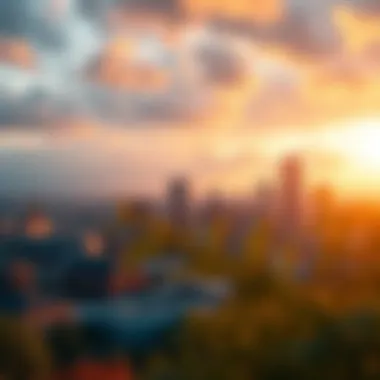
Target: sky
<point>111,97</point>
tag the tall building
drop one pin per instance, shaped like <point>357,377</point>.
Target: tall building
<point>264,200</point>
<point>178,201</point>
<point>290,207</point>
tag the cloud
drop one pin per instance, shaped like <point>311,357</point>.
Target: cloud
<point>358,29</point>
<point>27,20</point>
<point>142,78</point>
<point>167,8</point>
<point>311,64</point>
<point>325,86</point>
<point>189,9</point>
<point>222,60</point>
<point>367,7</point>
<point>94,9</point>
<point>371,54</point>
<point>308,34</point>
<point>14,18</point>
<point>132,84</point>
<point>17,52</point>
<point>266,11</point>
<point>126,63</point>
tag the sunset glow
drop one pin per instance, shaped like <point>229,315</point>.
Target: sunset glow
<point>359,144</point>
<point>148,98</point>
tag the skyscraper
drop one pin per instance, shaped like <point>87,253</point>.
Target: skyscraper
<point>264,200</point>
<point>178,201</point>
<point>290,205</point>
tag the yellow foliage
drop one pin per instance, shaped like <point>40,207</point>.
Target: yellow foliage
<point>257,244</point>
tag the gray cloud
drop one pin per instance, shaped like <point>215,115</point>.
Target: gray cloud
<point>67,49</point>
<point>95,9</point>
<point>297,32</point>
<point>367,7</point>
<point>167,8</point>
<point>132,109</point>
<point>38,107</point>
<point>35,110</point>
<point>14,18</point>
<point>25,19</point>
<point>220,65</point>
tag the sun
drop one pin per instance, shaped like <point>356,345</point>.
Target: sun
<point>359,143</point>
<point>363,144</point>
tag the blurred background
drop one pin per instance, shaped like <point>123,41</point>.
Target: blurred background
<point>189,189</point>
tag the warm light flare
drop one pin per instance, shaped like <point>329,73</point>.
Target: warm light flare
<point>360,144</point>
<point>363,144</point>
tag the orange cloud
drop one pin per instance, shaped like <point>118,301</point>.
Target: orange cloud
<point>117,68</point>
<point>260,10</point>
<point>335,87</point>
<point>357,30</point>
<point>324,100</point>
<point>16,52</point>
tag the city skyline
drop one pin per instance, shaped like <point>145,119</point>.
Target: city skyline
<point>92,186</point>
